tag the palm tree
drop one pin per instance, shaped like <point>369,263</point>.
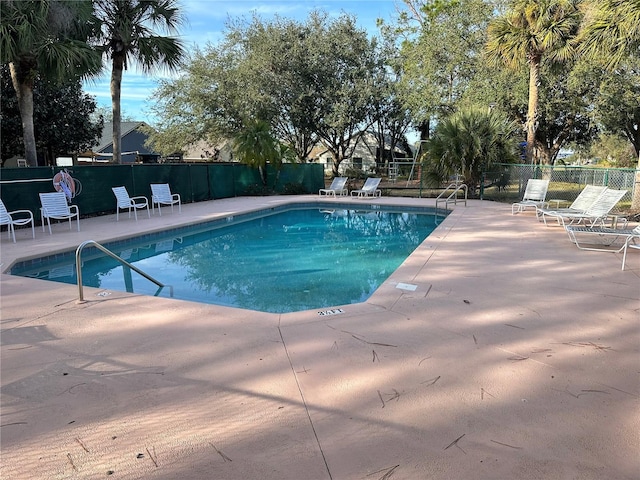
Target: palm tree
<point>128,36</point>
<point>255,145</point>
<point>44,39</point>
<point>534,31</point>
<point>467,143</point>
<point>611,30</point>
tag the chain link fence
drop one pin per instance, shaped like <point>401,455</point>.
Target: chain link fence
<point>506,182</point>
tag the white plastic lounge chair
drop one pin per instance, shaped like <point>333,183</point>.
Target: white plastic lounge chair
<point>125,202</point>
<point>597,213</point>
<point>602,239</point>
<point>336,187</point>
<point>6,218</point>
<point>632,242</point>
<point>369,189</point>
<point>54,205</point>
<point>161,195</point>
<point>534,196</point>
<point>583,201</point>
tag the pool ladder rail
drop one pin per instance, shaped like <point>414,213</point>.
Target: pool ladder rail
<point>117,258</point>
<point>453,189</point>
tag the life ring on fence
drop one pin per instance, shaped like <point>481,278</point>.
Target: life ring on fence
<point>63,182</point>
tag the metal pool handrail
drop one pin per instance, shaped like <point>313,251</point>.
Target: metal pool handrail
<point>457,187</point>
<point>115,257</point>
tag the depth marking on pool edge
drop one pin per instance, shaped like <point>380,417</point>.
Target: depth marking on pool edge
<point>335,311</point>
<point>406,286</point>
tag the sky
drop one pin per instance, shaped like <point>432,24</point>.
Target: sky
<point>206,20</point>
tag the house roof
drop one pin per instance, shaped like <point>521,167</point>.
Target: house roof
<point>127,129</point>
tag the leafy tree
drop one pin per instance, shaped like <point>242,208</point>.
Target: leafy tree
<point>280,54</point>
<point>535,32</point>
<point>128,36</point>
<point>441,44</point>
<point>44,39</point>
<point>307,81</point>
<point>347,65</point>
<point>10,126</point>
<point>565,112</point>
<point>390,118</point>
<point>613,150</point>
<point>204,103</point>
<point>467,143</point>
<point>62,119</point>
<point>617,104</point>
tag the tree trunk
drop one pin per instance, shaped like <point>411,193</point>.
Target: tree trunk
<point>424,128</point>
<point>532,110</point>
<point>116,89</point>
<point>334,167</point>
<point>23,86</point>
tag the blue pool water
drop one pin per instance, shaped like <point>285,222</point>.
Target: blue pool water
<point>275,261</point>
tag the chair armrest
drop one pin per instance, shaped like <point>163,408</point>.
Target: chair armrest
<point>142,199</point>
<point>28,212</point>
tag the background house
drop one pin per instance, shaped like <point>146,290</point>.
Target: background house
<point>132,145</point>
<point>203,151</point>
<point>363,158</point>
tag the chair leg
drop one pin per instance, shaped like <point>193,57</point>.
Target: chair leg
<point>624,254</point>
<point>628,244</point>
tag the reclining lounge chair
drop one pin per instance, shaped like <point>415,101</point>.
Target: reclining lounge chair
<point>597,213</point>
<point>603,239</point>
<point>336,187</point>
<point>583,201</point>
<point>369,189</point>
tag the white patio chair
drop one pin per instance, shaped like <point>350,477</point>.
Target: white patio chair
<point>631,243</point>
<point>597,213</point>
<point>125,202</point>
<point>54,205</point>
<point>336,187</point>
<point>583,201</point>
<point>603,239</point>
<point>369,189</point>
<point>534,196</point>
<point>161,195</point>
<point>6,218</point>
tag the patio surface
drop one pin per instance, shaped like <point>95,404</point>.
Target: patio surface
<point>516,357</point>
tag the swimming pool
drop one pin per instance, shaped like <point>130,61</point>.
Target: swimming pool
<point>279,260</point>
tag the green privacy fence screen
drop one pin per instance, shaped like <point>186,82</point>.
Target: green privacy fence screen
<point>19,187</point>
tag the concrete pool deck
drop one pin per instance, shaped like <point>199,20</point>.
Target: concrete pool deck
<point>517,356</point>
